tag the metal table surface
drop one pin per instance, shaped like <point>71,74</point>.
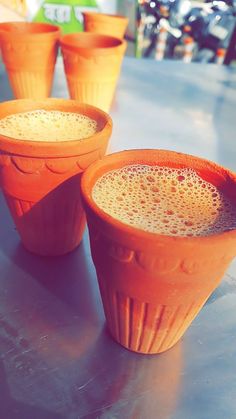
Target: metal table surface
<point>57,360</point>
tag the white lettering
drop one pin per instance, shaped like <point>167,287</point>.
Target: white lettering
<point>63,14</point>
<point>57,13</point>
<point>50,11</point>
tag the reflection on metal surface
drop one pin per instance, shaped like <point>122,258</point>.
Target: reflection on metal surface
<point>227,287</point>
<point>136,386</point>
<point>10,407</point>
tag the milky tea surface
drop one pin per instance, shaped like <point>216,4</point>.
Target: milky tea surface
<point>41,125</point>
<point>174,202</point>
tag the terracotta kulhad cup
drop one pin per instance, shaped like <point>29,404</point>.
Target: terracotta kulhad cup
<point>154,285</point>
<point>29,52</point>
<point>41,180</point>
<point>92,65</point>
<point>106,24</point>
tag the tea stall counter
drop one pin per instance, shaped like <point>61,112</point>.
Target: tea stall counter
<point>57,361</point>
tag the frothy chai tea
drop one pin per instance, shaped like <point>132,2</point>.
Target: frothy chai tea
<point>174,202</point>
<point>41,125</point>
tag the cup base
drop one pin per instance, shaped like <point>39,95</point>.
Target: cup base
<point>143,327</point>
<point>51,253</point>
<point>141,352</point>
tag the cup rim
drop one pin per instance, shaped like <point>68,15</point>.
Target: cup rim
<point>55,148</point>
<point>105,15</point>
<point>74,42</point>
<point>26,28</point>
<point>134,234</point>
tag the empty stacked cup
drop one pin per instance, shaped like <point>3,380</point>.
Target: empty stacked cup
<point>29,52</point>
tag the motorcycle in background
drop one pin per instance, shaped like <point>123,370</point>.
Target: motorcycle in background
<point>184,29</point>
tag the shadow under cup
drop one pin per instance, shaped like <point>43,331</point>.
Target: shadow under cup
<point>41,180</point>
<point>152,285</point>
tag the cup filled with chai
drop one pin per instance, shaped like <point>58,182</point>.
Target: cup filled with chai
<point>45,146</point>
<point>162,231</point>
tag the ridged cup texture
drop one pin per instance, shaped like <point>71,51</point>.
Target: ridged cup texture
<point>153,285</point>
<point>29,52</point>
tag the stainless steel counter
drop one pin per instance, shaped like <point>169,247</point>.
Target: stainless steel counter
<point>57,360</point>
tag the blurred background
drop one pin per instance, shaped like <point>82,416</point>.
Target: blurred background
<point>198,31</point>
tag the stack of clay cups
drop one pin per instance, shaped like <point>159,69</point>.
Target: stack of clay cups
<point>112,25</point>
<point>29,52</point>
<point>92,60</point>
<point>92,65</point>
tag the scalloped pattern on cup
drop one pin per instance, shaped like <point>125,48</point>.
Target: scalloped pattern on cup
<point>26,165</point>
<point>20,47</point>
<point>153,263</point>
<point>30,165</point>
<point>5,160</point>
<point>121,253</point>
<point>98,60</point>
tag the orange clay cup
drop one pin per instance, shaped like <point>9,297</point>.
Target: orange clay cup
<point>29,51</point>
<point>152,285</point>
<point>40,180</point>
<point>112,25</point>
<point>92,65</point>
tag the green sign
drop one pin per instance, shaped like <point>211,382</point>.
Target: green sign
<point>66,14</point>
